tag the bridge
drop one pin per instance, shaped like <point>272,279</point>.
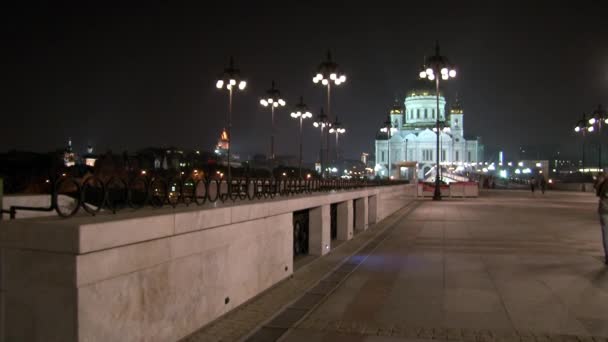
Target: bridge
<point>373,263</point>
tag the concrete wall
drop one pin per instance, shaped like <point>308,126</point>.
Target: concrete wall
<point>155,274</point>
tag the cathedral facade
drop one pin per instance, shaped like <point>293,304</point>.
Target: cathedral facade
<point>413,136</point>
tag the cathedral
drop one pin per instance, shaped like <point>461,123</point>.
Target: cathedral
<point>413,136</point>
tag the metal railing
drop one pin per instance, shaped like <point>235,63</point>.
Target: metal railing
<point>92,194</point>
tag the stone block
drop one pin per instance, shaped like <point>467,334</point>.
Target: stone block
<point>109,263</point>
<point>193,220</point>
<point>118,231</point>
<point>362,215</point>
<point>345,220</point>
<point>319,226</point>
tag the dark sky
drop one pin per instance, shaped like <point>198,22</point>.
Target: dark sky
<point>130,77</point>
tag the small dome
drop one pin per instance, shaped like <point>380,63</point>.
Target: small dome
<point>456,107</point>
<point>397,108</point>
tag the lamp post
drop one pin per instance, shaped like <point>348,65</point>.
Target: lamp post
<point>443,128</point>
<point>229,79</point>
<point>274,100</point>
<point>301,112</point>
<point>321,122</point>
<point>435,66</point>
<point>337,129</point>
<point>582,128</point>
<point>599,117</point>
<point>388,129</point>
<point>328,73</point>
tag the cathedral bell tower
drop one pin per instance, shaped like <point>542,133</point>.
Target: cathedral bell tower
<point>396,114</point>
<point>457,119</point>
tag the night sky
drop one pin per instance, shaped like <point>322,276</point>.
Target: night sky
<point>124,78</point>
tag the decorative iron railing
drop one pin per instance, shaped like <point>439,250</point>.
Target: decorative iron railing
<point>69,195</point>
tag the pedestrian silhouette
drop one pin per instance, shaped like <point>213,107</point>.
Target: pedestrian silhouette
<point>543,184</point>
<point>532,184</point>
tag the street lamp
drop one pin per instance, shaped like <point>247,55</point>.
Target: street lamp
<point>389,130</point>
<point>301,112</point>
<point>443,128</point>
<point>273,100</point>
<point>328,73</point>
<point>229,80</point>
<point>437,66</point>
<point>599,117</point>
<point>336,128</point>
<point>321,122</point>
<point>582,128</point>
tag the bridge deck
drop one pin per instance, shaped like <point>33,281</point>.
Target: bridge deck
<point>506,266</point>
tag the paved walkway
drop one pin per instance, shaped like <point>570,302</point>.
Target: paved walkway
<point>506,266</point>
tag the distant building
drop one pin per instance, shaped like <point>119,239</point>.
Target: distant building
<point>69,157</point>
<point>364,158</point>
<point>90,158</point>
<point>223,143</point>
<point>221,150</point>
<point>414,138</point>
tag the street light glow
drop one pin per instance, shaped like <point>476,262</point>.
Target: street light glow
<point>219,84</point>
<point>452,73</point>
<point>242,85</point>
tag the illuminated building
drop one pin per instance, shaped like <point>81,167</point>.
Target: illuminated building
<point>413,136</point>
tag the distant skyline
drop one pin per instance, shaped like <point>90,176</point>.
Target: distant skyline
<point>126,78</point>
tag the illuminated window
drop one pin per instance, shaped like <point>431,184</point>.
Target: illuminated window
<point>433,114</point>
<point>442,155</point>
<point>383,156</point>
<point>426,116</point>
<point>457,157</point>
<point>469,155</point>
<point>418,113</point>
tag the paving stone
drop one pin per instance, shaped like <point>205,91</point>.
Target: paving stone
<point>286,319</point>
<point>425,333</point>
<point>440,334</point>
<point>308,301</point>
<point>266,334</point>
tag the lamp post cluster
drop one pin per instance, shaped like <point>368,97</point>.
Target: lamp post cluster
<point>301,113</point>
<point>435,67</point>
<point>229,81</point>
<point>595,123</point>
<point>327,74</point>
<point>273,100</point>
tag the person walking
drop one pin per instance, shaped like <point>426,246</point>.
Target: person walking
<point>543,184</point>
<point>601,190</point>
<point>532,184</point>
